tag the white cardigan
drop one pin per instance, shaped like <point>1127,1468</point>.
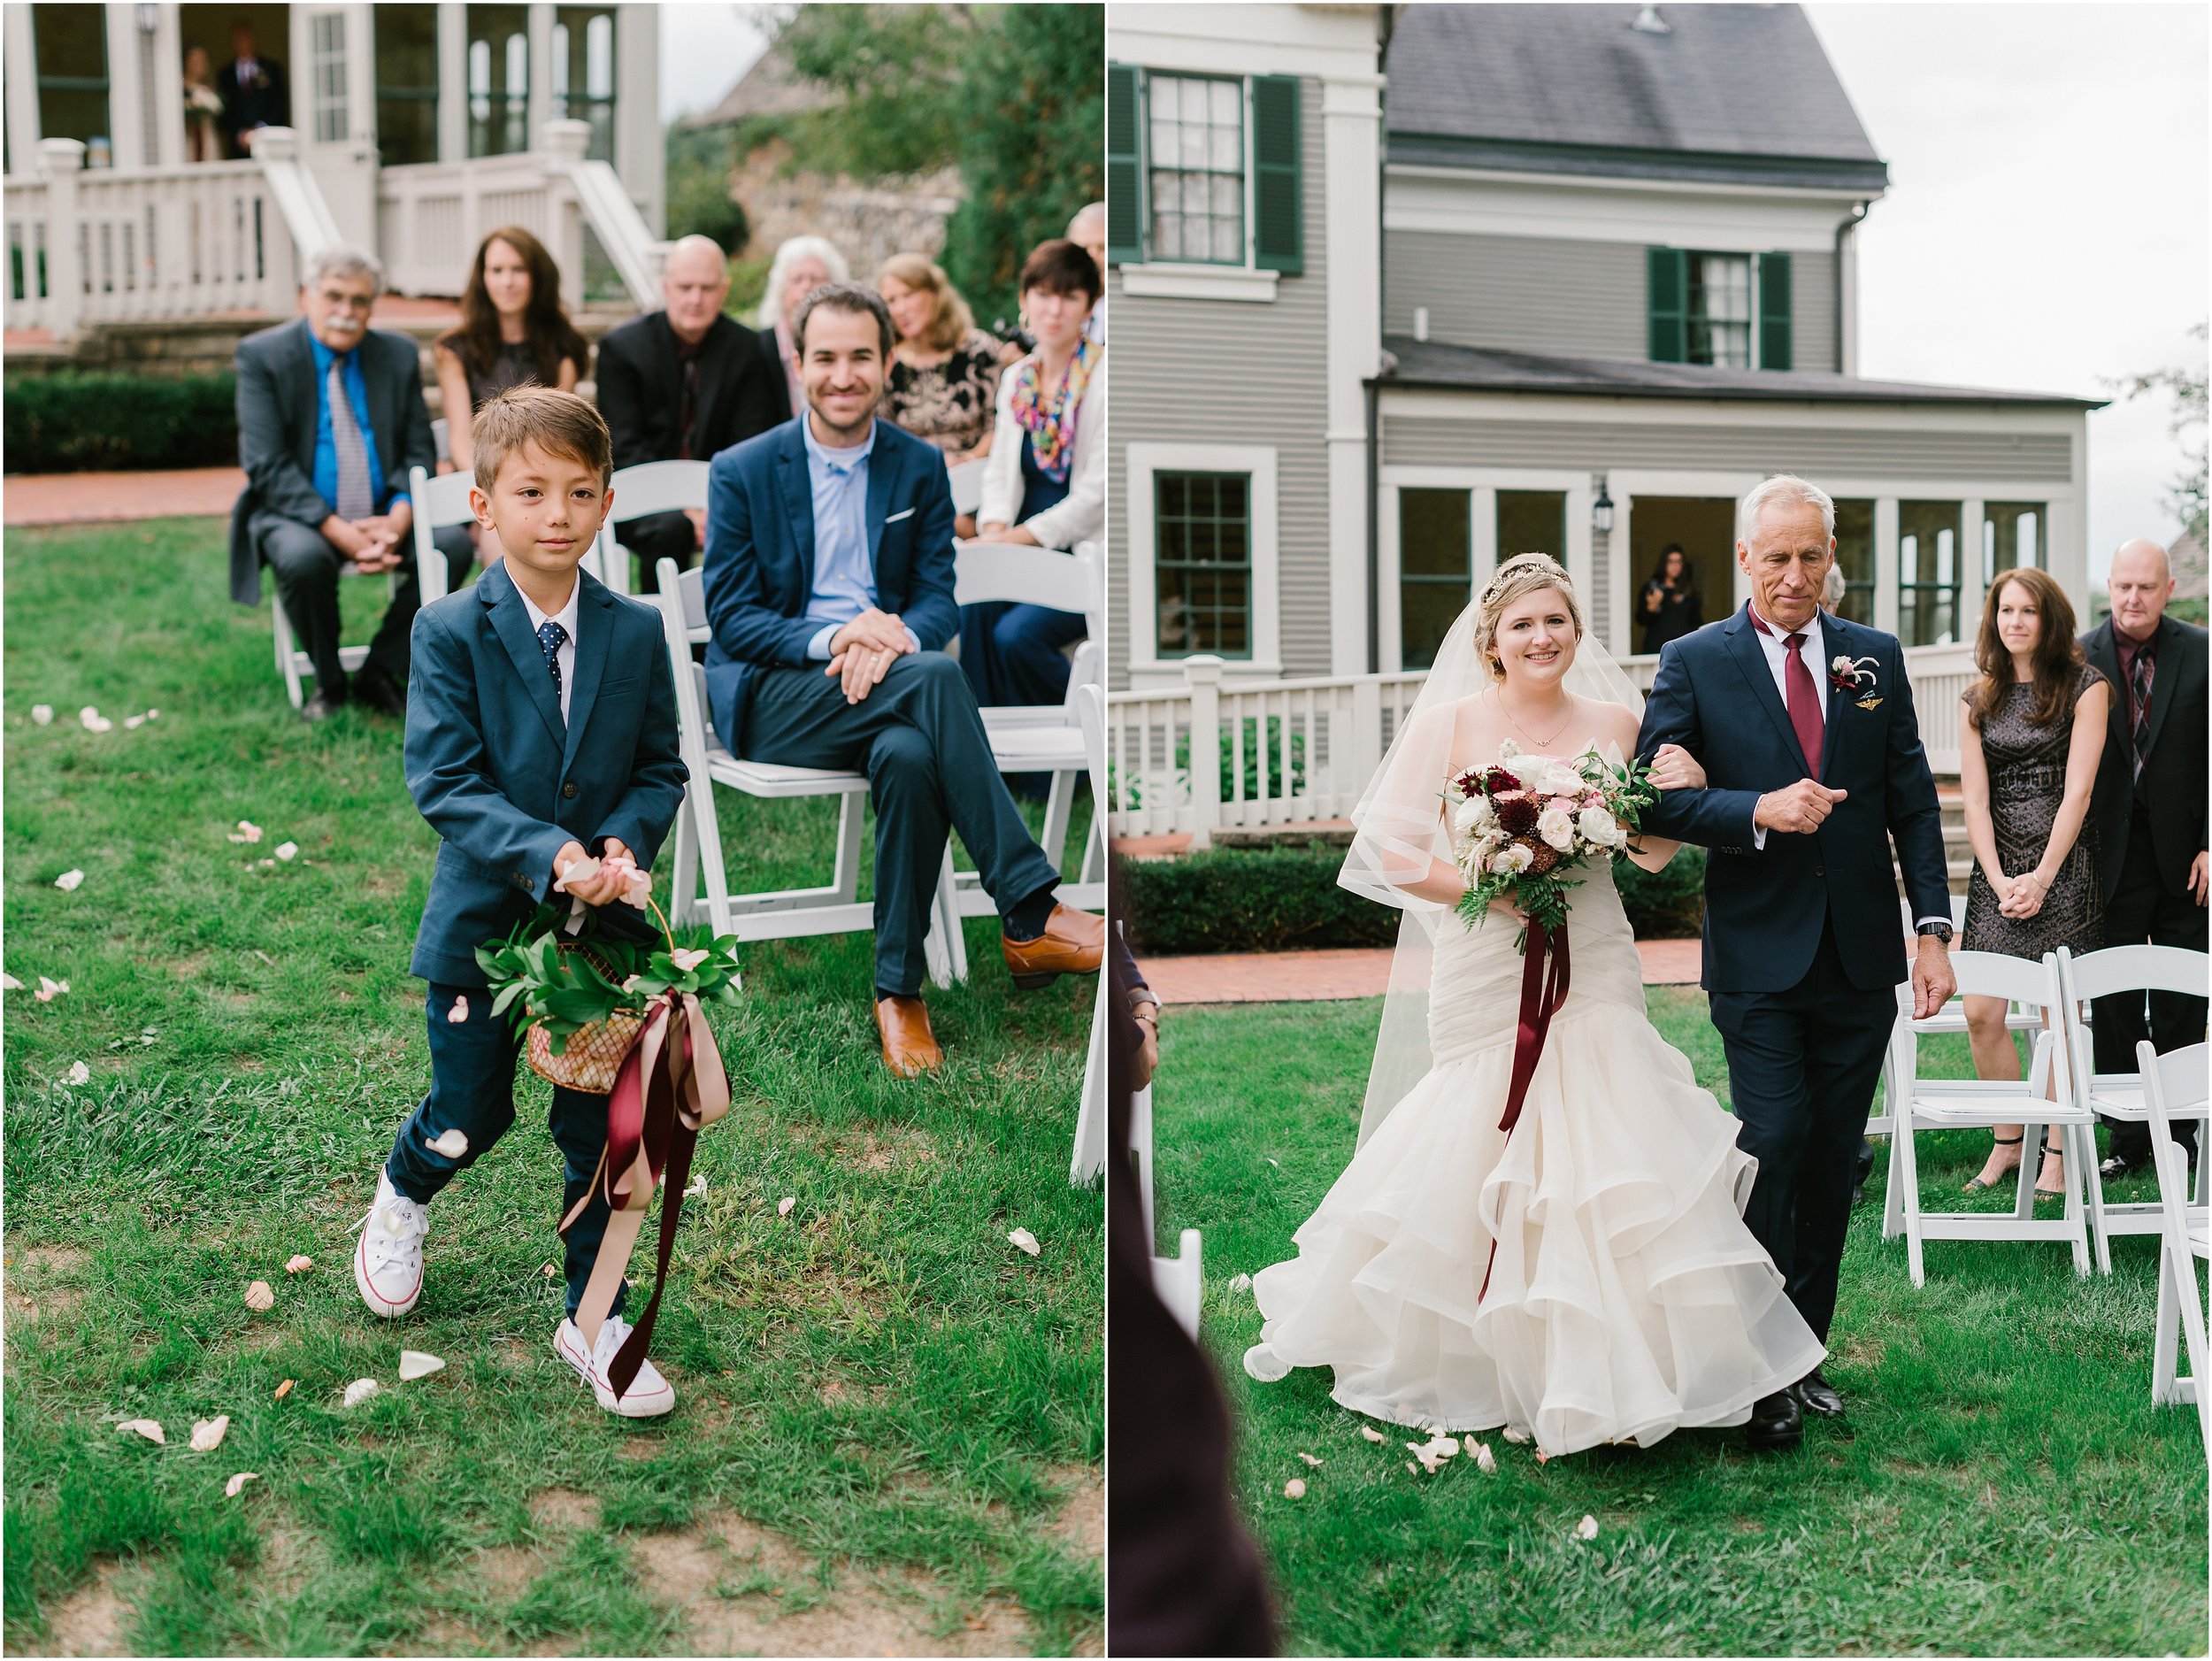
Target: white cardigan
<point>1082,517</point>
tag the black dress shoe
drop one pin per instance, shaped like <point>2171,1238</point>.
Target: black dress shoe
<point>1817,1396</point>
<point>318,707</point>
<point>1775,1422</point>
<point>2117,1167</point>
<point>372,687</point>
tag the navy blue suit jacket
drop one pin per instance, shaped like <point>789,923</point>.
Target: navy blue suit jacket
<point>758,572</point>
<point>1715,695</point>
<point>505,783</point>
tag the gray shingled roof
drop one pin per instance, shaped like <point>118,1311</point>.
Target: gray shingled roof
<point>1483,369</point>
<point>1729,91</point>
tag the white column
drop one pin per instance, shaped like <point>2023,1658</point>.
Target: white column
<point>1970,577</point>
<point>1886,563</point>
<point>1620,637</point>
<point>1351,122</point>
<point>640,153</point>
<point>168,140</point>
<point>453,81</point>
<point>541,106</point>
<point>62,160</point>
<point>18,63</point>
<point>126,121</point>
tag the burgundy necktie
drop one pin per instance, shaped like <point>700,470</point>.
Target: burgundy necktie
<point>1804,696</point>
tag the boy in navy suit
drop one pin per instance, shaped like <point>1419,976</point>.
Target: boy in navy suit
<point>541,744</point>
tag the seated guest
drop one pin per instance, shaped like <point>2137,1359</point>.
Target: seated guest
<point>944,370</point>
<point>330,419</point>
<point>1046,484</point>
<point>829,586</point>
<point>683,384</point>
<point>514,331</point>
<point>1087,231</point>
<point>803,264</point>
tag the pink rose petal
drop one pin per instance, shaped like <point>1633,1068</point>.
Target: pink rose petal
<point>69,881</point>
<point>1294,1489</point>
<point>417,1363</point>
<point>50,990</point>
<point>784,1205</point>
<point>145,1427</point>
<point>9,983</point>
<point>1586,1529</point>
<point>459,1013</point>
<point>260,1296</point>
<point>298,1264</point>
<point>208,1434</point>
<point>231,1487</point>
<point>43,713</point>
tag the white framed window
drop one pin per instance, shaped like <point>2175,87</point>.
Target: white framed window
<point>1194,172</point>
<point>1204,556</point>
<point>326,41</point>
<point>1719,314</point>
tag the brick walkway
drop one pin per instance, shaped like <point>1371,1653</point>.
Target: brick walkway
<point>1310,977</point>
<point>90,498</point>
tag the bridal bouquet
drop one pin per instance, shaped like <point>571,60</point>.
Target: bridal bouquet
<point>1521,824</point>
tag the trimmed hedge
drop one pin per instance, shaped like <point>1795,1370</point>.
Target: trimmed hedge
<point>105,423</point>
<point>1280,899</point>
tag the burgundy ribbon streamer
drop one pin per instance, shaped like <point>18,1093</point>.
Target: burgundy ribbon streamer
<point>1545,975</point>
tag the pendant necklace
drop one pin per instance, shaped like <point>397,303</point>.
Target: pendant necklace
<point>1524,732</point>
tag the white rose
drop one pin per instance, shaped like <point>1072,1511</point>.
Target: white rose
<point>1561,781</point>
<point>1528,769</point>
<point>1556,827</point>
<point>1511,861</point>
<point>1508,749</point>
<point>1598,825</point>
<point>1466,818</point>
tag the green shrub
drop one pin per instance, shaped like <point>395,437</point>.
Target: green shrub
<point>103,423</point>
<point>1667,904</point>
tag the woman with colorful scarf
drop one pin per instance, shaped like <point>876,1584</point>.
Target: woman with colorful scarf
<point>1048,490</point>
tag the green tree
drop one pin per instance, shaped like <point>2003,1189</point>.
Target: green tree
<point>699,200</point>
<point>2186,385</point>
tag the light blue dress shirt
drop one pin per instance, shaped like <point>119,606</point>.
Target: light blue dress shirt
<point>844,572</point>
<point>326,445</point>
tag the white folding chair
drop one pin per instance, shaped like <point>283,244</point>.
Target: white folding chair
<point>651,487</point>
<point>967,485</point>
<point>1044,738</point>
<point>1090,1116</point>
<point>2120,1096</point>
<point>441,438</point>
<point>1971,1104</point>
<point>834,907</point>
<point>291,661</point>
<point>1180,1282</point>
<point>441,500</point>
<point>2186,1233</point>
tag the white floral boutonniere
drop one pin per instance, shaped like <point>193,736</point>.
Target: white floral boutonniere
<point>1853,675</point>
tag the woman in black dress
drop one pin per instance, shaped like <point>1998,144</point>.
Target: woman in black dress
<point>1669,606</point>
<point>2030,737</point>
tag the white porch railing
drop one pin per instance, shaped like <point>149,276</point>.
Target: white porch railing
<point>1205,757</point>
<point>431,215</point>
<point>118,246</point>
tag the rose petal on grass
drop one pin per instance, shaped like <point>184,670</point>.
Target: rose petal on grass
<point>208,1434</point>
<point>459,1013</point>
<point>1485,1460</point>
<point>78,1073</point>
<point>360,1390</point>
<point>452,1142</point>
<point>1543,1457</point>
<point>1022,1239</point>
<point>784,1205</point>
<point>69,881</point>
<point>1311,1460</point>
<point>9,983</point>
<point>1411,1466</point>
<point>1294,1489</point>
<point>284,1390</point>
<point>248,832</point>
<point>131,723</point>
<point>1586,1529</point>
<point>695,1188</point>
<point>1513,1434</point>
<point>1241,1283</point>
<point>93,722</point>
<point>298,1264</point>
<point>50,990</point>
<point>231,1487</point>
<point>548,1271</point>
<point>1371,1433</point>
<point>287,850</point>
<point>259,1295</point>
<point>418,1364</point>
<point>147,1429</point>
<point>43,713</point>
<point>153,715</point>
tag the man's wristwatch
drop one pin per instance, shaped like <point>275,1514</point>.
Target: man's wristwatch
<point>1941,931</point>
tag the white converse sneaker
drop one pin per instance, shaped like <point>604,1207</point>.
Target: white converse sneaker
<point>650,1395</point>
<point>388,1263</point>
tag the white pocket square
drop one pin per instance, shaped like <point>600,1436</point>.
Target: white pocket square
<point>904,513</point>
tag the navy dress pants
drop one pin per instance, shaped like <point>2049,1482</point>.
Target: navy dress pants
<point>307,568</point>
<point>472,1090</point>
<point>1801,1068</point>
<point>920,740</point>
<point>2143,911</point>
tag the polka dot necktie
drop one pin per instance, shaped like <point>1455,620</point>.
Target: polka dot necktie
<point>551,636</point>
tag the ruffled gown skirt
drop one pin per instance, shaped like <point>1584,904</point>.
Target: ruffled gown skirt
<point>1625,1299</point>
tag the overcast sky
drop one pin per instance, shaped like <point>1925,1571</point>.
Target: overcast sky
<point>2045,220</point>
<point>704,51</point>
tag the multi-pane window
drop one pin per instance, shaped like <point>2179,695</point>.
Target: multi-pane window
<point>327,50</point>
<point>1435,569</point>
<point>1719,312</point>
<point>499,79</point>
<point>1927,573</point>
<point>1532,522</point>
<point>1203,529</point>
<point>583,73</point>
<point>406,83</point>
<point>69,44</point>
<point>1855,556</point>
<point>1196,169</point>
<point>2014,538</point>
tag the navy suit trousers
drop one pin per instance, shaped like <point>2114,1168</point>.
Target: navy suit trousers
<point>472,1090</point>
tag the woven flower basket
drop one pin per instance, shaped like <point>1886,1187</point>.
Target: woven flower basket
<point>593,1056</point>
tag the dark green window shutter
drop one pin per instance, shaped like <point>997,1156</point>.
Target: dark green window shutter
<point>1774,311</point>
<point>1278,200</point>
<point>1667,298</point>
<point>1125,219</point>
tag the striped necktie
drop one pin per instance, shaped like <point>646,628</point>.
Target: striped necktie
<point>2139,676</point>
<point>357,496</point>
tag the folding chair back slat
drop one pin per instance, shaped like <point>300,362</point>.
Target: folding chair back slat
<point>440,500</point>
<point>651,487</point>
<point>967,485</point>
<point>2182,1237</point>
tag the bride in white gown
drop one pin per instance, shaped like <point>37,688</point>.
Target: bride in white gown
<point>1588,1278</point>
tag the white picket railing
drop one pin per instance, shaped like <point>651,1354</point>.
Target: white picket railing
<point>1206,757</point>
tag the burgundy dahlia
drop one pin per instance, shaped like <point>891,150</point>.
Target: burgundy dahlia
<point>1516,813</point>
<point>1497,781</point>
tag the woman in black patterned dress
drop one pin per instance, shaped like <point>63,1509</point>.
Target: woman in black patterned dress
<point>2031,735</point>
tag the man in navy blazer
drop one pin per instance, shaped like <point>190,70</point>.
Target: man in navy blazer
<point>829,589</point>
<point>1804,725</point>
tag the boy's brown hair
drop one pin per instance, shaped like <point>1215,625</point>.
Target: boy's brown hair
<point>557,421</point>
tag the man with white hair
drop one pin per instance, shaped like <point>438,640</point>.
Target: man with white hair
<point>2151,864</point>
<point>1087,231</point>
<point>330,419</point>
<point>1804,725</point>
<point>684,384</point>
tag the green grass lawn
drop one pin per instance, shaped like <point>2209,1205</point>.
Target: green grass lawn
<point>2006,1487</point>
<point>889,1429</point>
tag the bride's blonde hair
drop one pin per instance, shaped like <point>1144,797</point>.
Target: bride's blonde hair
<point>1517,578</point>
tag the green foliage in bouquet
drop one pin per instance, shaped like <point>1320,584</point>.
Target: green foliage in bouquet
<point>540,976</point>
<point>1541,891</point>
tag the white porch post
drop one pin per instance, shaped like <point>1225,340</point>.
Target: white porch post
<point>564,144</point>
<point>1351,122</point>
<point>1971,572</point>
<point>1202,673</point>
<point>1886,577</point>
<point>167,102</point>
<point>453,81</point>
<point>539,110</point>
<point>640,155</point>
<point>19,61</point>
<point>61,160</point>
<point>126,121</point>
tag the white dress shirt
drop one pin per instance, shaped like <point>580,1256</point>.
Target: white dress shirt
<point>566,655</point>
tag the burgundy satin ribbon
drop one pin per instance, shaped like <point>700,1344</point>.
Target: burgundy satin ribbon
<point>670,1086</point>
<point>1545,975</point>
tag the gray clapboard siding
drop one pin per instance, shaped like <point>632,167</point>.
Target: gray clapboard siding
<point>1223,372</point>
<point>1901,454</point>
<point>1562,295</point>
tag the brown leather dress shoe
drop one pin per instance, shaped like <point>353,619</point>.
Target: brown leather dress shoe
<point>1073,943</point>
<point>910,1048</point>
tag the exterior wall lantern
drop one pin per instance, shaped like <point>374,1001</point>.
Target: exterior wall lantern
<point>1601,511</point>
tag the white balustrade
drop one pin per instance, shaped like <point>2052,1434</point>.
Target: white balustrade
<point>1208,755</point>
